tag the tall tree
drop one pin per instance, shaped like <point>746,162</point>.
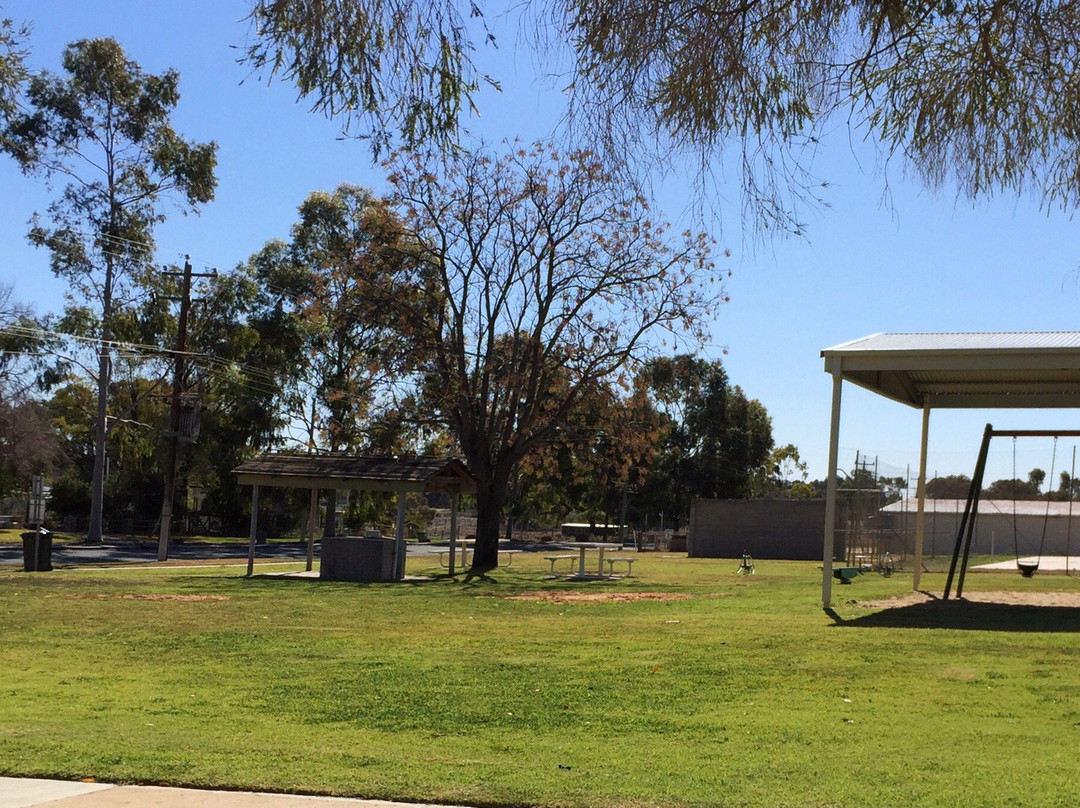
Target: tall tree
<point>1069,486</point>
<point>326,288</point>
<point>981,91</point>
<point>104,127</point>
<point>1036,477</point>
<point>538,275</point>
<point>718,441</point>
<point>324,300</point>
<point>236,374</point>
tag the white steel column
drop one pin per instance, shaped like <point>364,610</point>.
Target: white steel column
<point>920,516</point>
<point>830,487</point>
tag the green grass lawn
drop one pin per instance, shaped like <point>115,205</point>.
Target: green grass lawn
<point>714,690</point>
<point>13,535</point>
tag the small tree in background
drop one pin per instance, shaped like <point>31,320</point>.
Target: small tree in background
<point>954,486</point>
<point>1010,489</point>
<point>718,441</point>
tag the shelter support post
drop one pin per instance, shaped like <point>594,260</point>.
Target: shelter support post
<point>399,536</point>
<point>920,494</point>
<point>453,529</point>
<point>830,488</point>
<point>254,529</point>
<point>313,525</point>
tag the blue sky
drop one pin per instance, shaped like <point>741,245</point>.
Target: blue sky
<point>923,261</point>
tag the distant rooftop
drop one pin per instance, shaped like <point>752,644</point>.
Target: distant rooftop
<point>989,507</point>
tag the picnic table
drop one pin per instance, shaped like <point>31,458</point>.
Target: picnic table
<point>583,547</point>
<point>463,546</point>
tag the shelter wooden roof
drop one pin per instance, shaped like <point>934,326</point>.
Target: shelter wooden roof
<point>960,370</point>
<point>427,475</point>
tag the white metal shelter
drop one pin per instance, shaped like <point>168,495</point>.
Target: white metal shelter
<point>1023,370</point>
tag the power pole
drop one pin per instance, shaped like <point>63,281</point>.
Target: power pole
<point>174,413</point>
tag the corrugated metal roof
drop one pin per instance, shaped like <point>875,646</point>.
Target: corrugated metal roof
<point>965,370</point>
<point>989,507</point>
<point>960,341</point>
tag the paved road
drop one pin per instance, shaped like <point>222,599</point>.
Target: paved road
<point>130,551</point>
<point>127,551</point>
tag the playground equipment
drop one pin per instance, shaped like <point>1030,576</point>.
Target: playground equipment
<point>971,509</point>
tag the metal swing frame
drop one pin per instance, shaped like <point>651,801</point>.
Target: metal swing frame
<point>967,522</point>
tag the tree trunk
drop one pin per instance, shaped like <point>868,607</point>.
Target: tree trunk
<point>97,489</point>
<point>489,502</point>
<point>101,425</point>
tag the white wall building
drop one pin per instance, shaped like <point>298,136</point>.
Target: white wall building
<point>994,532</point>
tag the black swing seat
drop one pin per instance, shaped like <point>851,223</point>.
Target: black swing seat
<point>1027,568</point>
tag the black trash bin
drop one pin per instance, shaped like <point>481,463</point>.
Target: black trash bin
<point>37,550</point>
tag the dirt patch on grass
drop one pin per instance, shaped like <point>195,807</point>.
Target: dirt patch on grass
<point>181,598</point>
<point>598,597</point>
<point>1068,599</point>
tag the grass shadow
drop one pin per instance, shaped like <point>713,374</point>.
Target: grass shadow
<point>968,615</point>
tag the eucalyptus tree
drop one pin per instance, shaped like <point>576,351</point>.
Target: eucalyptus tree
<point>983,92</point>
<point>12,64</point>
<point>323,295</point>
<point>324,301</point>
<point>236,374</point>
<point>103,127</point>
<point>718,441</point>
<point>532,275</point>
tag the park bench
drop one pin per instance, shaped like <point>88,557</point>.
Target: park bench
<point>554,558</point>
<point>444,556</point>
<point>611,562</point>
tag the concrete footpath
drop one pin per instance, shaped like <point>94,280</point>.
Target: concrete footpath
<point>17,792</point>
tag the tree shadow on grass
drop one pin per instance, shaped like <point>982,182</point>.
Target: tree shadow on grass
<point>969,616</point>
<point>265,581</point>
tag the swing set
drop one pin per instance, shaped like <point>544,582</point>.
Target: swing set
<point>971,509</point>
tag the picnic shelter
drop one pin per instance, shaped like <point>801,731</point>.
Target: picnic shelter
<point>400,475</point>
<point>1015,370</point>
